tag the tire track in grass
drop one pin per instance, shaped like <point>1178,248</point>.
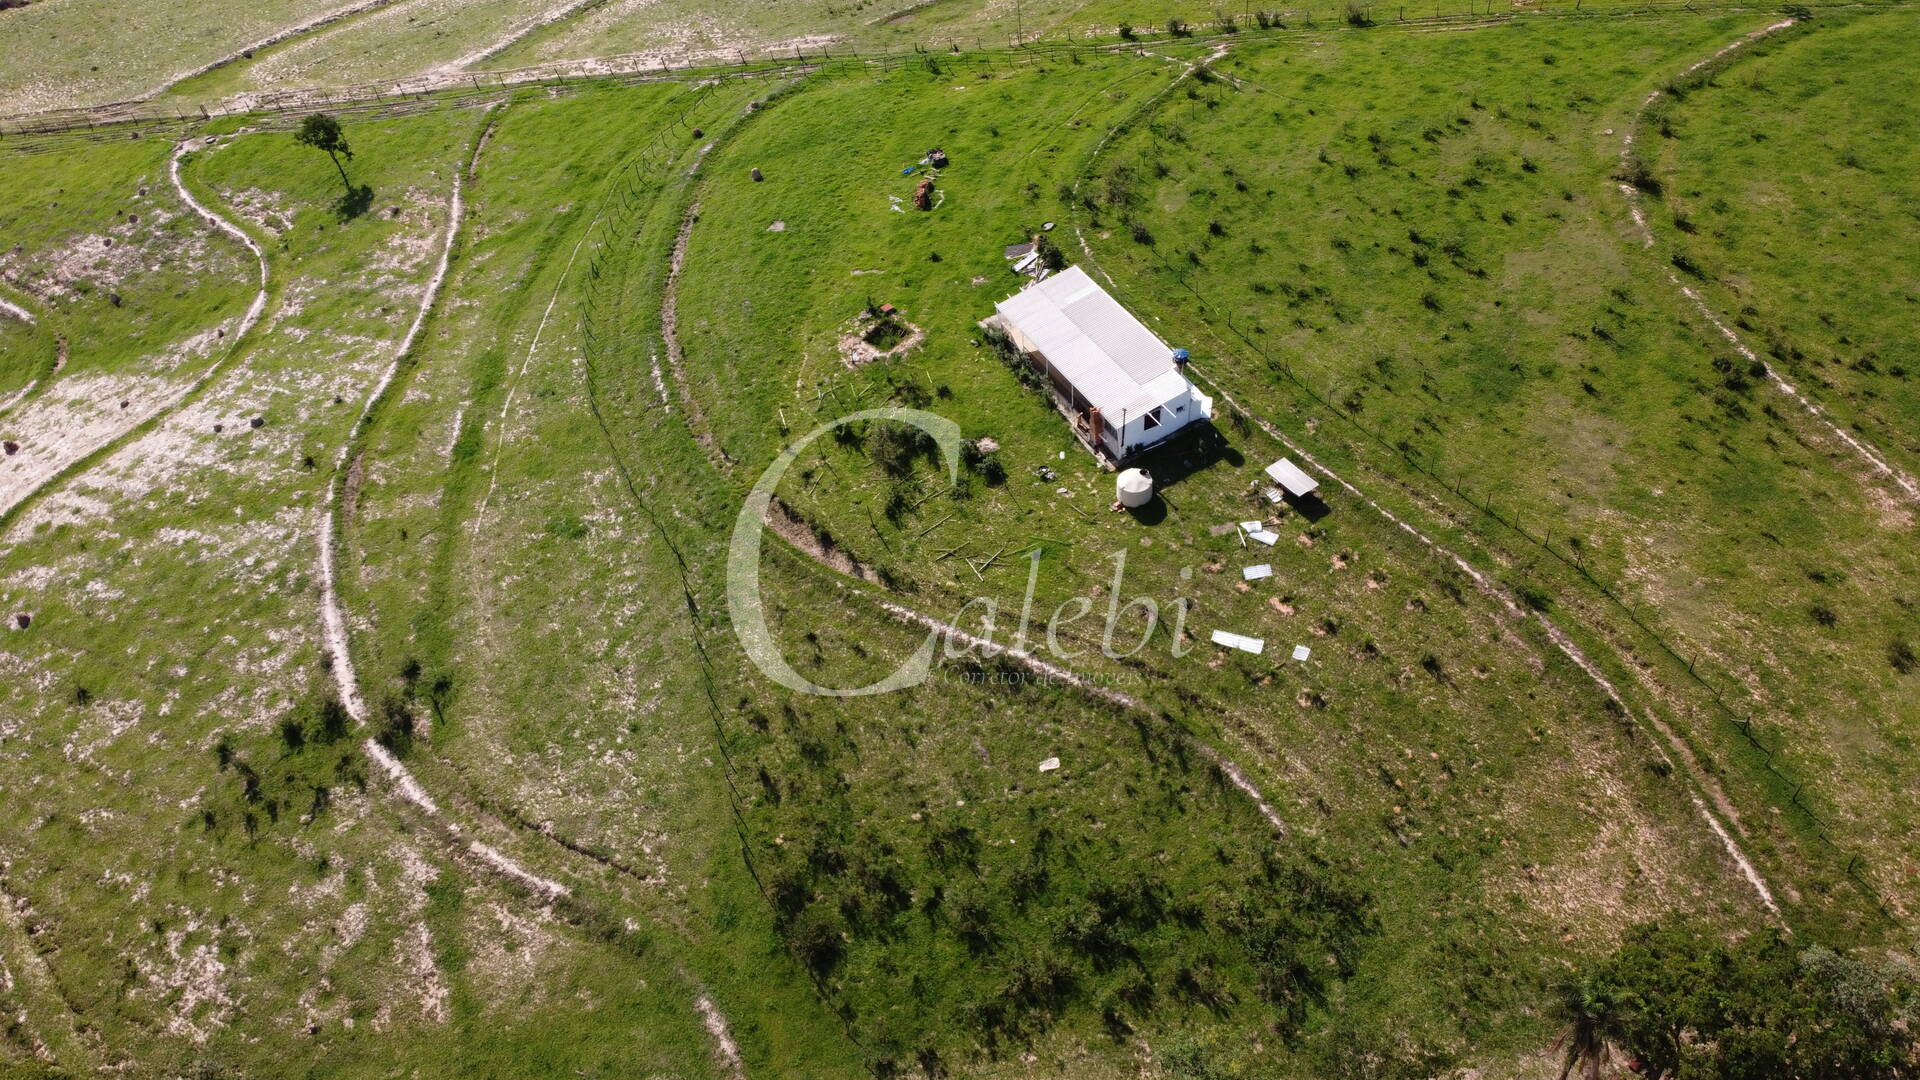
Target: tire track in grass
<point>333,616</point>
<point>61,1037</point>
<point>1874,459</point>
<point>500,439</point>
<point>1671,745</point>
<point>676,359</point>
<point>339,652</point>
<point>103,449</point>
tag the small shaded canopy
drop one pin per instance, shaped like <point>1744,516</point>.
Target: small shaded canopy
<point>1288,475</point>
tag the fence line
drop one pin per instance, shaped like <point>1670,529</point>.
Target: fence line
<point>453,89</point>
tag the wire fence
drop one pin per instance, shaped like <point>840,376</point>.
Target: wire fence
<point>424,91</point>
<point>627,200</point>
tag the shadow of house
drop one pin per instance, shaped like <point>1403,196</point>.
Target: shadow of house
<point>1194,448</point>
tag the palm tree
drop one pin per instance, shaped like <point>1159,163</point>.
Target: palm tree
<point>1592,1023</point>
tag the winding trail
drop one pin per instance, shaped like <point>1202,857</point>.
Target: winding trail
<point>1873,457</point>
<point>1670,747</point>
<point>259,305</point>
<point>522,33</point>
<point>333,615</point>
<point>13,310</point>
<point>278,37</point>
<point>336,641</point>
<point>78,462</point>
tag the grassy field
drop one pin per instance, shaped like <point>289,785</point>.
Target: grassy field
<point>1567,382</point>
<point>407,38</point>
<point>67,55</point>
<point>1398,634</point>
<point>200,772</point>
<point>61,53</point>
<point>1402,253</point>
<point>1812,203</point>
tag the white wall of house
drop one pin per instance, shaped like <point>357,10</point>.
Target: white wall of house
<point>1139,433</point>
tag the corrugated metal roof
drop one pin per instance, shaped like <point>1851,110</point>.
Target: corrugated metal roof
<point>1116,363</point>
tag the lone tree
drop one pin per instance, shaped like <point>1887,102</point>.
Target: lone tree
<point>322,132</point>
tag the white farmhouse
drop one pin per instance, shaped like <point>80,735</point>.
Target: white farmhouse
<point>1116,380</point>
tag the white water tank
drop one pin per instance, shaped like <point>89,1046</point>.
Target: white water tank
<point>1134,488</point>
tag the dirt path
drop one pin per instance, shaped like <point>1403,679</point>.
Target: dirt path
<point>724,1046</point>
<point>69,460</point>
<point>1670,745</point>
<point>1874,459</point>
<point>333,617</point>
<point>670,334</point>
<point>522,32</point>
<point>277,38</point>
<point>336,641</point>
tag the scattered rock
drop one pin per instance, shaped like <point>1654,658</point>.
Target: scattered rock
<point>778,226</point>
<point>988,444</point>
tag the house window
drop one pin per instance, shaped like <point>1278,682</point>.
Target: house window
<point>1151,420</point>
